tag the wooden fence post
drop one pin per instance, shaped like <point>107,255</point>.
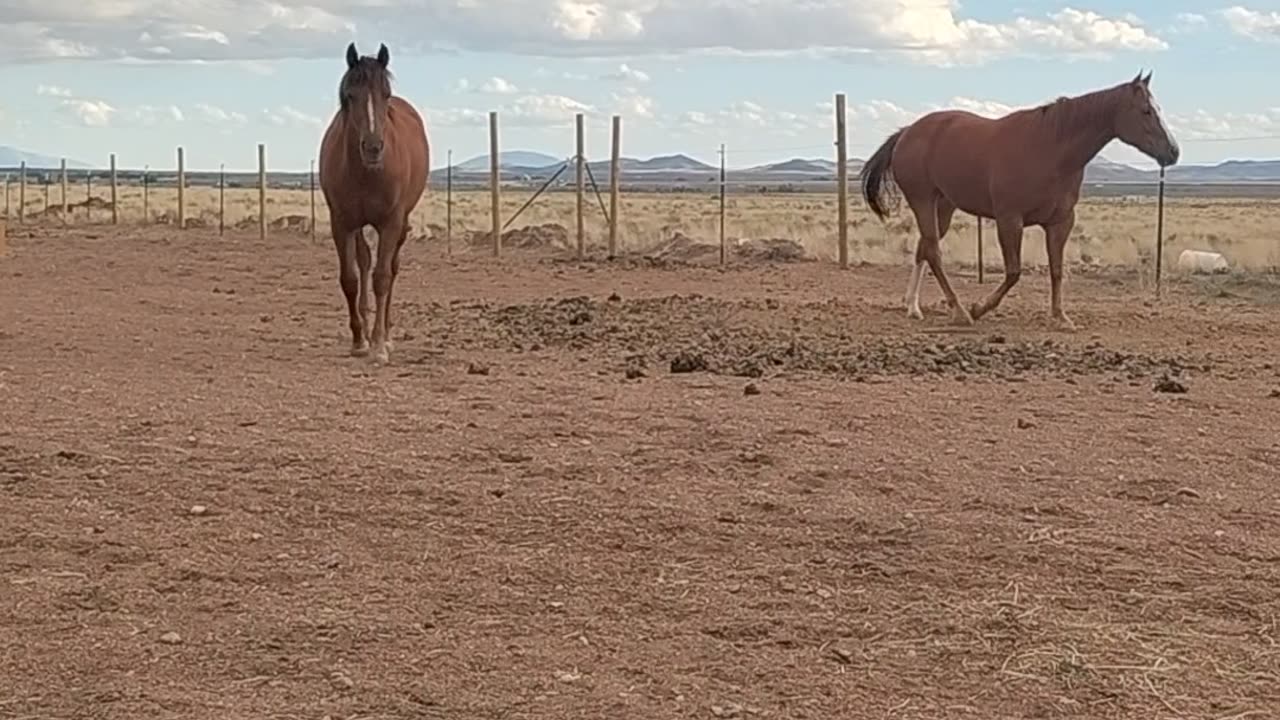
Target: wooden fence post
<point>448,204</point>
<point>146,194</point>
<point>182,189</point>
<point>723,248</point>
<point>494,177</point>
<point>313,200</point>
<point>66,205</point>
<point>842,182</point>
<point>614,175</point>
<point>222,198</point>
<point>262,191</point>
<point>22,193</point>
<point>580,165</point>
<point>115,206</point>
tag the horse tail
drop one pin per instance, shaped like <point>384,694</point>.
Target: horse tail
<point>877,174</point>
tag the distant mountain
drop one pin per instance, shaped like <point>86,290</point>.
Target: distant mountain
<point>508,159</point>
<point>680,170</point>
<point>11,157</point>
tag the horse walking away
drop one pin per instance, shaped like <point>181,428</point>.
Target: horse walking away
<point>1025,168</point>
<point>374,163</point>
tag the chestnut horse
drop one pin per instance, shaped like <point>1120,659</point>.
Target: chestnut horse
<point>374,162</point>
<point>1025,168</point>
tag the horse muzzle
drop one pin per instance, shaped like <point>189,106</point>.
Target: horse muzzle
<point>372,153</point>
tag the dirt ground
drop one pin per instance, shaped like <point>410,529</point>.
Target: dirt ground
<point>648,490</point>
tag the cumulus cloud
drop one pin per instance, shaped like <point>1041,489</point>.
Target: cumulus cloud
<point>286,116</point>
<point>626,73</point>
<point>53,91</point>
<point>498,86</point>
<point>933,31</point>
<point>542,111</point>
<point>90,113</point>
<point>1253,24</point>
<point>216,115</point>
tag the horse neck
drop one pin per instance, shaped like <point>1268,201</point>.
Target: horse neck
<point>1085,124</point>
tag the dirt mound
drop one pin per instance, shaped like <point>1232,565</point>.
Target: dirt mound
<point>805,338</point>
<point>291,223</point>
<point>682,249</point>
<point>530,237</point>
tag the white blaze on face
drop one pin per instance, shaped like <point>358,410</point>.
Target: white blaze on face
<point>1164,128</point>
<point>369,107</point>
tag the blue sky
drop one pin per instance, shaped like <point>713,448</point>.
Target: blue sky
<point>140,77</point>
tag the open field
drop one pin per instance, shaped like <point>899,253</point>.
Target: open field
<point>1110,231</point>
<point>208,510</point>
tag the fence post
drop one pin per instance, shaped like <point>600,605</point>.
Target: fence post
<point>1159,231</point>
<point>579,163</point>
<point>614,174</point>
<point>262,191</point>
<point>222,198</point>
<point>115,207</point>
<point>66,206</point>
<point>842,182</point>
<point>981,269</point>
<point>88,196</point>
<point>6,197</point>
<point>146,194</point>
<point>494,170</point>
<point>448,204</point>
<point>313,200</point>
<point>47,181</point>
<point>182,189</point>
<point>722,239</point>
<point>22,193</point>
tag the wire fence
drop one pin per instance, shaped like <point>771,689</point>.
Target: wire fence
<point>682,209</point>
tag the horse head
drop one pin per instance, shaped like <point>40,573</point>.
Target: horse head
<point>364,95</point>
<point>1139,122</point>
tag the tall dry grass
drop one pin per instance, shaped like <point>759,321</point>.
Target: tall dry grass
<point>1108,232</point>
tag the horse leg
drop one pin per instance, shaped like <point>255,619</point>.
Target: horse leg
<point>345,241</point>
<point>389,235</point>
<point>395,273</point>
<point>929,251</point>
<point>364,261</point>
<point>945,212</point>
<point>1055,242</point>
<point>1009,229</point>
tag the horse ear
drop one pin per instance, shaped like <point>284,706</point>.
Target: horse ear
<point>352,56</point>
<point>1137,79</point>
<point>384,55</point>
<point>1147,80</point>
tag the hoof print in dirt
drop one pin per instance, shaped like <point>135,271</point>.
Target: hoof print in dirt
<point>1169,384</point>
<point>751,389</point>
<point>634,372</point>
<point>477,368</point>
<point>1025,424</point>
<point>1274,393</point>
<point>614,297</point>
<point>687,362</point>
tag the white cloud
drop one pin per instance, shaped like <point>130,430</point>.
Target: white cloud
<point>931,31</point>
<point>543,111</point>
<point>498,86</point>
<point>151,114</point>
<point>91,113</point>
<point>53,91</point>
<point>287,115</point>
<point>633,105</point>
<point>626,73</point>
<point>1253,24</point>
<point>216,115</point>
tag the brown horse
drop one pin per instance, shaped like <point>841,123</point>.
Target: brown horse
<point>1025,168</point>
<point>374,162</point>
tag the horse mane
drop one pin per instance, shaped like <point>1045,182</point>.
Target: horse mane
<point>366,73</point>
<point>1066,114</point>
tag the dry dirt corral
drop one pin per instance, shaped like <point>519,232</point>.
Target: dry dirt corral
<point>208,510</point>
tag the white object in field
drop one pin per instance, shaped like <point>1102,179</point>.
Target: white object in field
<point>1202,261</point>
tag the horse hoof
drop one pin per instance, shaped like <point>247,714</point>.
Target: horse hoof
<point>1064,323</point>
<point>914,313</point>
<point>359,350</point>
<point>962,317</point>
<point>380,355</point>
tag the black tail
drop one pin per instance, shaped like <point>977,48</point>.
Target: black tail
<point>877,173</point>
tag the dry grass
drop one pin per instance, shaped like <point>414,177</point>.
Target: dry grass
<point>1109,231</point>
